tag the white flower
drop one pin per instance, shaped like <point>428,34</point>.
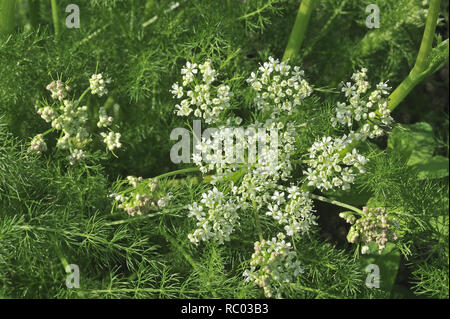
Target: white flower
<point>328,169</point>
<point>98,84</point>
<point>47,113</point>
<point>216,217</point>
<point>366,112</point>
<point>112,140</point>
<point>104,120</point>
<point>349,89</point>
<point>38,144</point>
<point>203,99</point>
<point>278,89</point>
<point>58,90</point>
<point>273,262</point>
<point>177,90</point>
<point>188,72</point>
<point>76,156</point>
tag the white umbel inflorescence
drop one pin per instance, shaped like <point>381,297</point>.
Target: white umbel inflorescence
<point>98,84</point>
<point>112,140</point>
<point>372,109</point>
<point>38,145</point>
<point>328,169</point>
<point>293,209</point>
<point>76,156</point>
<point>58,90</point>
<point>198,95</point>
<point>279,88</point>
<point>104,120</point>
<point>216,216</point>
<point>273,261</point>
<point>71,118</point>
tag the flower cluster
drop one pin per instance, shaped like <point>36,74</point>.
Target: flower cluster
<point>58,90</point>
<point>199,95</point>
<point>371,108</point>
<point>328,168</point>
<point>104,120</point>
<point>76,156</point>
<point>279,88</point>
<point>273,262</point>
<point>294,210</point>
<point>72,119</point>
<point>376,225</point>
<point>254,163</point>
<point>216,217</point>
<point>272,167</point>
<point>98,84</point>
<point>112,140</point>
<point>268,150</point>
<point>38,144</point>
<point>141,198</point>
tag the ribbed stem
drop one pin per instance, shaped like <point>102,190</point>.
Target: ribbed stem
<point>56,19</point>
<point>299,30</point>
<point>428,35</point>
<point>416,76</point>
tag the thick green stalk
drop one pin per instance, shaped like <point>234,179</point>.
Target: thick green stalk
<point>299,30</point>
<point>423,66</point>
<point>56,19</point>
<point>428,35</point>
<point>418,73</point>
<point>7,16</point>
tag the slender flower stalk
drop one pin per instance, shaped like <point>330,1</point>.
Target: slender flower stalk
<point>7,16</point>
<point>178,172</point>
<point>335,202</point>
<point>299,30</point>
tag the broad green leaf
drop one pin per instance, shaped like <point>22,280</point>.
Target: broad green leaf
<point>435,167</point>
<point>415,142</point>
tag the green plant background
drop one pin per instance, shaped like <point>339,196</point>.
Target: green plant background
<point>52,214</point>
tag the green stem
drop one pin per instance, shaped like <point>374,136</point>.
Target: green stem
<point>178,172</point>
<point>422,68</point>
<point>418,73</point>
<point>299,30</point>
<point>324,29</point>
<point>56,19</point>
<point>335,202</point>
<point>83,95</point>
<point>7,16</point>
<point>428,35</point>
<point>258,11</point>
